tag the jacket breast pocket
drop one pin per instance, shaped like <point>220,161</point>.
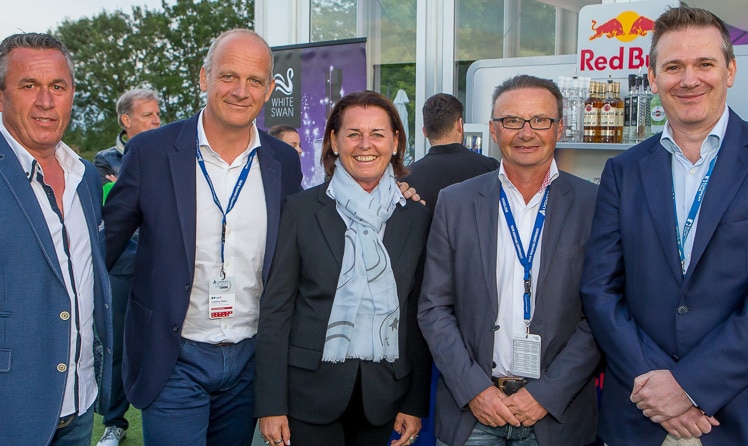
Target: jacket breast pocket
<point>304,358</point>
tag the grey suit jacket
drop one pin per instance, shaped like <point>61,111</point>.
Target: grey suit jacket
<point>459,305</point>
<point>295,308</point>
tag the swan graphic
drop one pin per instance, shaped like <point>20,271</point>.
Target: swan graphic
<point>285,86</point>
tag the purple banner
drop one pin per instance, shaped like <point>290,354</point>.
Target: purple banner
<point>309,80</point>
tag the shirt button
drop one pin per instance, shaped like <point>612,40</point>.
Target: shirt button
<point>62,368</point>
<point>692,171</point>
<point>682,309</point>
<point>64,315</point>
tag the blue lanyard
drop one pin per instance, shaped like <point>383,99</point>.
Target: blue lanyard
<point>691,215</point>
<point>232,200</point>
<point>525,260</point>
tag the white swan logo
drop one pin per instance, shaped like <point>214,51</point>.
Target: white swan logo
<point>285,86</point>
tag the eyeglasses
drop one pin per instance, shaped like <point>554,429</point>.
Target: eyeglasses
<point>515,123</point>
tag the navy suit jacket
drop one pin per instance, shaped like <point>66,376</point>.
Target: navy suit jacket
<point>459,306</point>
<point>156,192</point>
<point>295,308</point>
<point>34,306</point>
<point>646,315</point>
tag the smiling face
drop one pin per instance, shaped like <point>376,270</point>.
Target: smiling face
<point>38,98</point>
<point>238,84</point>
<point>365,144</point>
<point>526,148</point>
<point>145,115</point>
<point>692,78</point>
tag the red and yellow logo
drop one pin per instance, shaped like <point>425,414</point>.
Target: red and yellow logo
<point>625,27</point>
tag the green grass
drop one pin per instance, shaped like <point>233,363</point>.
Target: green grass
<point>134,432</point>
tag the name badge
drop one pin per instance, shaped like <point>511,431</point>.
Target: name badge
<point>222,298</point>
<point>526,356</point>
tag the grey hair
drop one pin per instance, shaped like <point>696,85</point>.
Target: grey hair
<point>208,62</point>
<point>127,100</point>
<point>523,81</point>
<point>35,41</point>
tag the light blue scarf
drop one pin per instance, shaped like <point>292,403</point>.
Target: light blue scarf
<point>365,315</point>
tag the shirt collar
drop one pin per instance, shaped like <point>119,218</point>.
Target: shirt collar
<point>711,144</point>
<point>120,143</point>
<point>202,139</point>
<point>550,176</point>
<point>68,159</point>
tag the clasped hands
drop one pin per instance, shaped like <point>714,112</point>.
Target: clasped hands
<point>661,399</point>
<point>492,408</point>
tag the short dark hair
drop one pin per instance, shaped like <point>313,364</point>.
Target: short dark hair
<point>365,98</point>
<point>522,81</point>
<point>35,41</point>
<point>440,112</point>
<point>278,130</point>
<point>683,17</point>
<point>126,102</point>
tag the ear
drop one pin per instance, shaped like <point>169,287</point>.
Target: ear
<point>203,80</point>
<point>126,121</point>
<point>271,87</point>
<point>652,80</point>
<point>732,69</point>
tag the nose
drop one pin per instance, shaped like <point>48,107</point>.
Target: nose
<point>526,131</point>
<point>45,99</point>
<point>365,142</point>
<point>689,78</point>
<point>241,90</point>
<point>157,120</point>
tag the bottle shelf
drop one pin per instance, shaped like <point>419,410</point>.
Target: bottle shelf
<point>592,146</point>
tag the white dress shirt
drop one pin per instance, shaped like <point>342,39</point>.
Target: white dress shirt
<point>509,271</point>
<point>246,233</point>
<point>81,282</point>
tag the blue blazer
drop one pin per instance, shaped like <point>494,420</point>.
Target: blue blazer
<point>646,315</point>
<point>156,192</point>
<point>34,337</point>
<point>459,304</point>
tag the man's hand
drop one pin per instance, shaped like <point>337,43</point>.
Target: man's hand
<point>408,427</point>
<point>275,430</point>
<point>659,396</point>
<point>489,408</point>
<point>691,424</point>
<point>525,408</point>
<point>409,193</point>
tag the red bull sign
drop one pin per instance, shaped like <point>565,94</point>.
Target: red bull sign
<point>615,37</point>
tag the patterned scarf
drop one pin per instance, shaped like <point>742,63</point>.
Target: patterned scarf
<point>365,315</point>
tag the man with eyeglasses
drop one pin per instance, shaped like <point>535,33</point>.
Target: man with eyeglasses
<point>500,305</point>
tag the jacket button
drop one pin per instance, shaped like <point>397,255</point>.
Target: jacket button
<point>62,368</point>
<point>186,287</point>
<point>64,315</point>
<point>682,309</point>
<point>175,328</point>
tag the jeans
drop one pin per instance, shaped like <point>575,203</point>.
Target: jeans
<point>208,399</point>
<point>507,435</point>
<point>77,433</point>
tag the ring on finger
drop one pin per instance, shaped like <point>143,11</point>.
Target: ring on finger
<point>278,442</point>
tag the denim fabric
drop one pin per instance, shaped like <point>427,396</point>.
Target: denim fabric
<point>77,433</point>
<point>208,399</point>
<point>483,435</point>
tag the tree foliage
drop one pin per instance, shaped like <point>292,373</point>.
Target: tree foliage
<point>159,49</point>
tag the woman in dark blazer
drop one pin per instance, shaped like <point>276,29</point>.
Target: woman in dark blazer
<point>340,357</point>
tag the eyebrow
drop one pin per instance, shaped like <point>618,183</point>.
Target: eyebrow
<point>33,80</point>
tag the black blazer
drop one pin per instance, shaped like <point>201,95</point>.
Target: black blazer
<point>295,307</point>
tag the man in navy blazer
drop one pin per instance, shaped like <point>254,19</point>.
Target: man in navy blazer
<point>207,194</point>
<point>665,283</point>
<point>54,288</point>
<point>475,289</point>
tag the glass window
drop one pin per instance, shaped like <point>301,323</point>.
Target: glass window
<point>333,20</point>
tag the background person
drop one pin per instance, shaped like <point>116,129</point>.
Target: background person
<point>53,280</point>
<point>489,299</point>
<point>206,193</point>
<point>287,134</point>
<point>665,285</point>
<point>448,161</point>
<point>137,111</point>
<point>340,358</point>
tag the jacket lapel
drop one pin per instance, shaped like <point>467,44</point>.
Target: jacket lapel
<point>657,183</point>
<point>559,199</point>
<point>486,203</point>
<point>331,224</point>
<point>729,174</point>
<point>12,174</point>
<point>182,162</point>
<point>271,183</point>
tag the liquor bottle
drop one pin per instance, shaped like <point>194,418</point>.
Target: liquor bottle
<point>608,113</point>
<point>643,118</point>
<point>563,85</point>
<point>620,112</point>
<point>592,106</point>
<point>574,119</point>
<point>629,117</point>
<point>657,115</point>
